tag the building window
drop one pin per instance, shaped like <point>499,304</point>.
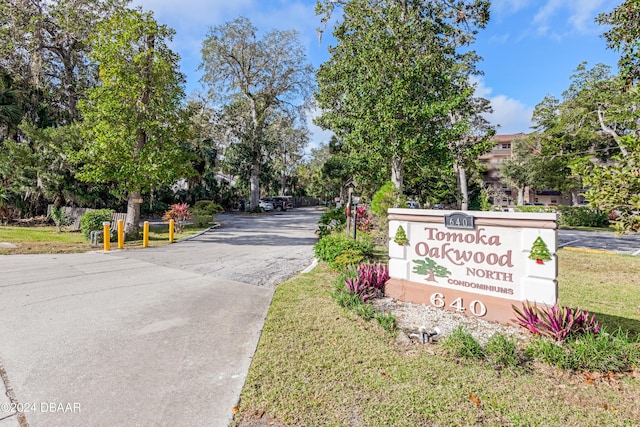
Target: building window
<point>506,146</point>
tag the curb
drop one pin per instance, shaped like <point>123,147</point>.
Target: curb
<point>590,251</point>
<point>10,394</point>
<point>184,239</point>
<point>313,265</point>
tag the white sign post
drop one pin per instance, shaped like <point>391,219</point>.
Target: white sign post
<point>475,263</point>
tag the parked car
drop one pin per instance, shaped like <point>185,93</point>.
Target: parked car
<point>265,205</point>
<point>280,203</point>
<point>412,204</point>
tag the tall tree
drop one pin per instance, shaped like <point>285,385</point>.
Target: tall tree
<point>520,170</point>
<point>134,121</point>
<point>596,100</point>
<point>470,137</point>
<point>289,138</point>
<point>561,143</point>
<point>624,36</point>
<point>387,89</point>
<point>268,73</point>
<point>43,45</point>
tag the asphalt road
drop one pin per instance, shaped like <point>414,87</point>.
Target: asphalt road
<point>150,337</point>
<point>600,240</point>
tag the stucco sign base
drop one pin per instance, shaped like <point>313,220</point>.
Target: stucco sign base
<point>497,309</point>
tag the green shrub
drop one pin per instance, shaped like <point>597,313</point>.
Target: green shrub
<point>330,247</point>
<point>203,212</point>
<point>580,216</point>
<point>462,344</point>
<point>60,217</point>
<point>571,216</point>
<point>331,221</point>
<point>535,209</point>
<point>502,351</point>
<point>348,258</point>
<point>603,352</point>
<point>92,221</point>
<point>208,207</point>
<point>388,196</point>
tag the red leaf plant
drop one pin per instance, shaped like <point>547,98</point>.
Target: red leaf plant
<point>556,322</point>
<point>367,281</point>
<point>180,213</point>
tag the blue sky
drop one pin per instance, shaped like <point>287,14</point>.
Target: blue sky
<point>530,47</point>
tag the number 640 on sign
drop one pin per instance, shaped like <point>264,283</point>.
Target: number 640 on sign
<point>476,307</point>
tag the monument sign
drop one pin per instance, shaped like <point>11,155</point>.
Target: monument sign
<point>476,263</point>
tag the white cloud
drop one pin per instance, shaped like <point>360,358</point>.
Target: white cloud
<point>507,7</point>
<point>583,14</point>
<point>509,115</point>
<point>558,18</point>
<point>318,135</point>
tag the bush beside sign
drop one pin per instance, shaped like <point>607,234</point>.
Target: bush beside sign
<point>476,263</point>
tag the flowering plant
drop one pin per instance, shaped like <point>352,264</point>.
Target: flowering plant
<point>180,213</point>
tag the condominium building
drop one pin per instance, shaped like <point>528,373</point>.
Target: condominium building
<point>504,195</point>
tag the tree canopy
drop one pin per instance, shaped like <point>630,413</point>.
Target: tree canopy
<point>134,120</point>
<point>259,76</point>
<point>391,82</point>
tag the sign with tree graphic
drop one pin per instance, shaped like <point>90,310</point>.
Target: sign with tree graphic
<point>430,268</point>
<point>401,236</point>
<point>479,267</point>
<point>540,251</point>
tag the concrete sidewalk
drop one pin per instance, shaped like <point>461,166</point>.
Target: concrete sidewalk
<point>153,337</point>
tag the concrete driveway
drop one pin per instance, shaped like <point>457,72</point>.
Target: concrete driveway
<point>153,337</point>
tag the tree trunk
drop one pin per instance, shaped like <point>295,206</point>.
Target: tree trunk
<point>464,189</point>
<point>574,199</point>
<point>283,183</point>
<point>520,196</point>
<point>132,222</point>
<point>255,184</point>
<point>396,172</point>
<point>606,129</point>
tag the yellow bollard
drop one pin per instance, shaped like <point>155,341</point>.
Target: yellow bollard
<point>106,236</point>
<point>172,227</point>
<point>145,235</point>
<point>120,234</point>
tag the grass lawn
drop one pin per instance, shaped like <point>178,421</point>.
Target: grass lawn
<point>605,284</point>
<point>318,364</point>
<point>45,239</point>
